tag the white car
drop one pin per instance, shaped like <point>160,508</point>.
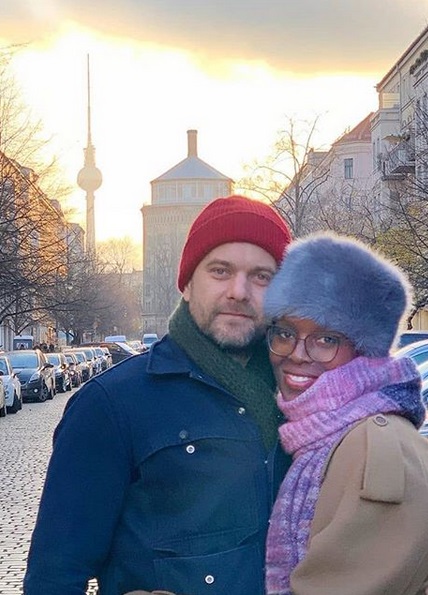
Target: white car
<point>148,340</point>
<point>12,386</point>
<point>3,408</point>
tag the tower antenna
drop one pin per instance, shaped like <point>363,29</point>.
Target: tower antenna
<point>89,177</point>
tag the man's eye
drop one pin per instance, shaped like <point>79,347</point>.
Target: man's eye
<point>219,271</point>
<point>265,277</point>
<point>262,278</point>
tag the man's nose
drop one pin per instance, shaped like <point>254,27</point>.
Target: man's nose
<point>238,288</point>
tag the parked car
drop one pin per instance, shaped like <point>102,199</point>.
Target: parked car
<point>115,339</point>
<point>3,408</point>
<point>424,389</point>
<point>424,428</point>
<point>35,373</point>
<point>91,356</point>
<point>12,386</point>
<point>409,337</point>
<point>74,368</point>
<point>417,351</point>
<point>137,345</point>
<point>119,351</point>
<point>105,361</point>
<point>149,339</point>
<point>61,371</point>
<point>108,356</point>
<point>85,366</point>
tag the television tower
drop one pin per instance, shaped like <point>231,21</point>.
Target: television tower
<point>89,178</point>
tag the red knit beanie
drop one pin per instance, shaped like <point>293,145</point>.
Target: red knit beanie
<point>232,219</point>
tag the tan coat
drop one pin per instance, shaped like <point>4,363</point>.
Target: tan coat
<point>369,535</point>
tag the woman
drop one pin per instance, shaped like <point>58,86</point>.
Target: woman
<point>351,517</point>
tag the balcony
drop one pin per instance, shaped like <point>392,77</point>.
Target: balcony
<point>398,162</point>
<point>402,159</point>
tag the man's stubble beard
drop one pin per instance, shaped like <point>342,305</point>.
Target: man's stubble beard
<point>240,345</point>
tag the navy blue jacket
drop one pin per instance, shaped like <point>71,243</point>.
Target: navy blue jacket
<point>158,480</point>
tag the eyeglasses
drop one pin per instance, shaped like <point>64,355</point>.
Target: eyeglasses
<point>321,347</point>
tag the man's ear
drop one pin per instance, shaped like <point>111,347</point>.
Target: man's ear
<point>187,291</point>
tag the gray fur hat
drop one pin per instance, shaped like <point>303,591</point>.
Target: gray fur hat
<point>344,286</point>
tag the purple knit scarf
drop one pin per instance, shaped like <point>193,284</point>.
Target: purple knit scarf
<point>317,421</point>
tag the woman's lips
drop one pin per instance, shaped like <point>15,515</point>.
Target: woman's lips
<point>298,382</point>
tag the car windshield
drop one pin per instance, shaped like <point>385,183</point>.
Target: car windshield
<point>69,358</point>
<point>54,358</point>
<point>23,360</point>
<point>81,357</point>
<point>418,352</point>
<point>127,348</point>
<point>411,337</point>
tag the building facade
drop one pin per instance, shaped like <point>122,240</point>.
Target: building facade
<point>35,240</point>
<point>331,185</point>
<point>399,131</point>
<point>399,126</point>
<point>177,196</point>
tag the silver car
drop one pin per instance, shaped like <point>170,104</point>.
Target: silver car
<point>3,409</point>
<point>12,386</point>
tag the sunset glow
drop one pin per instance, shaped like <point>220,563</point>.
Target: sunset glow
<point>145,96</point>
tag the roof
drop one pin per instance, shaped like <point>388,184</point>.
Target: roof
<point>361,132</point>
<point>191,168</point>
<point>403,56</point>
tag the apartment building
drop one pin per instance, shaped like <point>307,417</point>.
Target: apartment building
<point>177,197</point>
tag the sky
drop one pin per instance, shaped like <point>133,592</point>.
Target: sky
<point>235,70</point>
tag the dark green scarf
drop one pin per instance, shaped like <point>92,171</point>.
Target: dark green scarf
<point>253,385</point>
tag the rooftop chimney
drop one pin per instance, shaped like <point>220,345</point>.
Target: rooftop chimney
<point>192,143</point>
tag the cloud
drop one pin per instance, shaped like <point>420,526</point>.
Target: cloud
<point>304,36</point>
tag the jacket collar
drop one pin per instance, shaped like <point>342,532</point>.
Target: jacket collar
<point>166,357</point>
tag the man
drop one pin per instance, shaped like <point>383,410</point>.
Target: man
<point>165,467</point>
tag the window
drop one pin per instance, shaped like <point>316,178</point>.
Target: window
<point>349,169</point>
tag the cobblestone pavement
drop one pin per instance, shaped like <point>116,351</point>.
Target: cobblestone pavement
<point>25,447</point>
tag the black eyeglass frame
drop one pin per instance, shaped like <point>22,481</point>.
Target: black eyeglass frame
<point>273,328</point>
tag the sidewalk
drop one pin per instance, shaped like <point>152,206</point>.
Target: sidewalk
<point>25,447</point>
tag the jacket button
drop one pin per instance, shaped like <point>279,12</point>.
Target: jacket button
<point>209,579</point>
<point>190,449</point>
<point>380,420</point>
<point>183,434</point>
<point>242,411</point>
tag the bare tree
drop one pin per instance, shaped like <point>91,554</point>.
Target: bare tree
<point>291,176</point>
<point>402,230</point>
<point>33,229</point>
<point>119,255</point>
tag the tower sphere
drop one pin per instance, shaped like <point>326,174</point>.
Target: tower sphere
<point>89,178</point>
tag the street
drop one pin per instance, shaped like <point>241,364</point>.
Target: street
<point>25,444</point>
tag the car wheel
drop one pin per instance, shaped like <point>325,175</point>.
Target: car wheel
<point>52,392</point>
<point>63,386</point>
<point>16,405</point>
<point>44,393</point>
<point>3,411</point>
